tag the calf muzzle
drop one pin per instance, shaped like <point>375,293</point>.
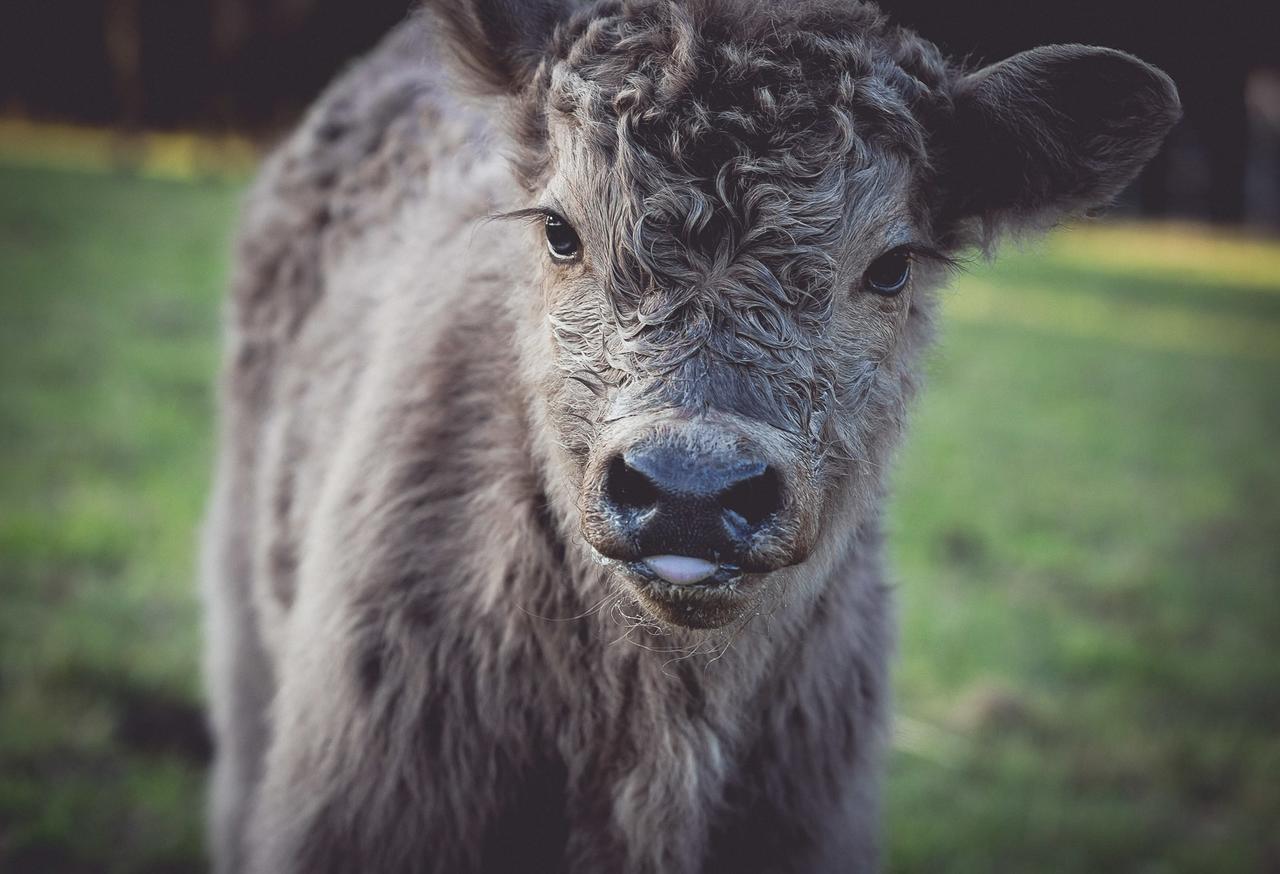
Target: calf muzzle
<point>696,505</point>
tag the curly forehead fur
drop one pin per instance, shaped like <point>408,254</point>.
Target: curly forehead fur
<point>729,139</point>
<point>696,85</point>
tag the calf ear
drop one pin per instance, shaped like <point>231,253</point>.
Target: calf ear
<point>498,43</point>
<point>1052,132</point>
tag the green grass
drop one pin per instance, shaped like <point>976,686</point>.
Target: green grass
<point>109,298</point>
<point>1087,538</point>
<point>1086,531</point>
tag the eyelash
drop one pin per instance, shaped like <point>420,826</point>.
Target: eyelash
<point>921,253</point>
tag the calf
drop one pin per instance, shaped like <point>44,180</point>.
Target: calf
<point>570,344</point>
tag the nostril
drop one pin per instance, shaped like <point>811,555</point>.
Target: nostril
<point>627,488</point>
<point>754,499</point>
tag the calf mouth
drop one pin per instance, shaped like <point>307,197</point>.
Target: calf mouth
<point>721,596</point>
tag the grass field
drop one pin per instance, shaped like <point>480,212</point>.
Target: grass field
<point>1086,533</point>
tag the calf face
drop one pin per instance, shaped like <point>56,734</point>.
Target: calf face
<point>738,209</point>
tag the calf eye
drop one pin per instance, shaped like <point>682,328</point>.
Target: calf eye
<point>562,239</point>
<point>889,273</point>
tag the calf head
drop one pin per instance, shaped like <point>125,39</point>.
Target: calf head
<point>737,211</point>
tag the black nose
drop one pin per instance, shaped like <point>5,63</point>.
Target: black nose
<point>680,501</point>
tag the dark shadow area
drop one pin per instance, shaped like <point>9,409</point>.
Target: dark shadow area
<point>254,65</point>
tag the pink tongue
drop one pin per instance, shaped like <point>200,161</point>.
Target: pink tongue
<point>680,569</point>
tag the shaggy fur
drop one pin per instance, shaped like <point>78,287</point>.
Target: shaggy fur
<point>417,661</point>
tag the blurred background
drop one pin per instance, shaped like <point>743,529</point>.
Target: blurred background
<point>1086,523</point>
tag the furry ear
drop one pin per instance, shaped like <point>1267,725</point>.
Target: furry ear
<point>498,43</point>
<point>1052,132</point>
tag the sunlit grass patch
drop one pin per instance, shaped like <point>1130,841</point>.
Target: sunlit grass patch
<point>1220,260</point>
<point>1118,319</point>
<point>163,155</point>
